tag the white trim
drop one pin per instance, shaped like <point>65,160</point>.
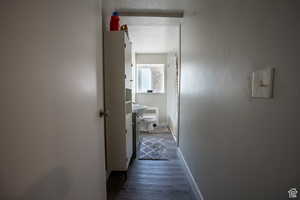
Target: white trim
<point>190,177</point>
<point>172,132</point>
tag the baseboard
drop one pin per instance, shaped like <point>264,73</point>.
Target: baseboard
<point>173,134</point>
<point>190,177</point>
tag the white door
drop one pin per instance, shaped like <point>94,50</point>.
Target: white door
<point>128,64</point>
<point>100,102</point>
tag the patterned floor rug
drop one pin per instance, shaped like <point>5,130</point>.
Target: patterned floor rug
<point>154,146</point>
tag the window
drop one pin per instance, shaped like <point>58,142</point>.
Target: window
<point>150,78</point>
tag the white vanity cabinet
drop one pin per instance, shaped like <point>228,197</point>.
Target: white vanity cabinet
<point>118,100</point>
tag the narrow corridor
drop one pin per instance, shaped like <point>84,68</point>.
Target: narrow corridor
<point>153,179</point>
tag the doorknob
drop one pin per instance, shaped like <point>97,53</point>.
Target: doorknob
<point>102,113</point>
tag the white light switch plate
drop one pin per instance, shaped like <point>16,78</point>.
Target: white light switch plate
<point>262,83</point>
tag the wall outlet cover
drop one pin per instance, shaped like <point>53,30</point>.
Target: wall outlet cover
<point>262,83</point>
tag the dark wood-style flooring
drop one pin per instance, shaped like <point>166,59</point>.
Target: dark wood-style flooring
<point>152,180</point>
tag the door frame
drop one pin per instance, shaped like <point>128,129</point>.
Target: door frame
<point>157,17</point>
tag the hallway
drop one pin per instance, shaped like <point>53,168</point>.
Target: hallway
<point>153,180</point>
<point>77,78</point>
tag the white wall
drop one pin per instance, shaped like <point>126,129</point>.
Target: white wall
<point>51,144</point>
<point>172,93</point>
<point>238,148</point>
<point>156,100</point>
<point>153,39</point>
<point>151,58</point>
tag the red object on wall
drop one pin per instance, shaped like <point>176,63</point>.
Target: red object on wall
<point>115,22</point>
